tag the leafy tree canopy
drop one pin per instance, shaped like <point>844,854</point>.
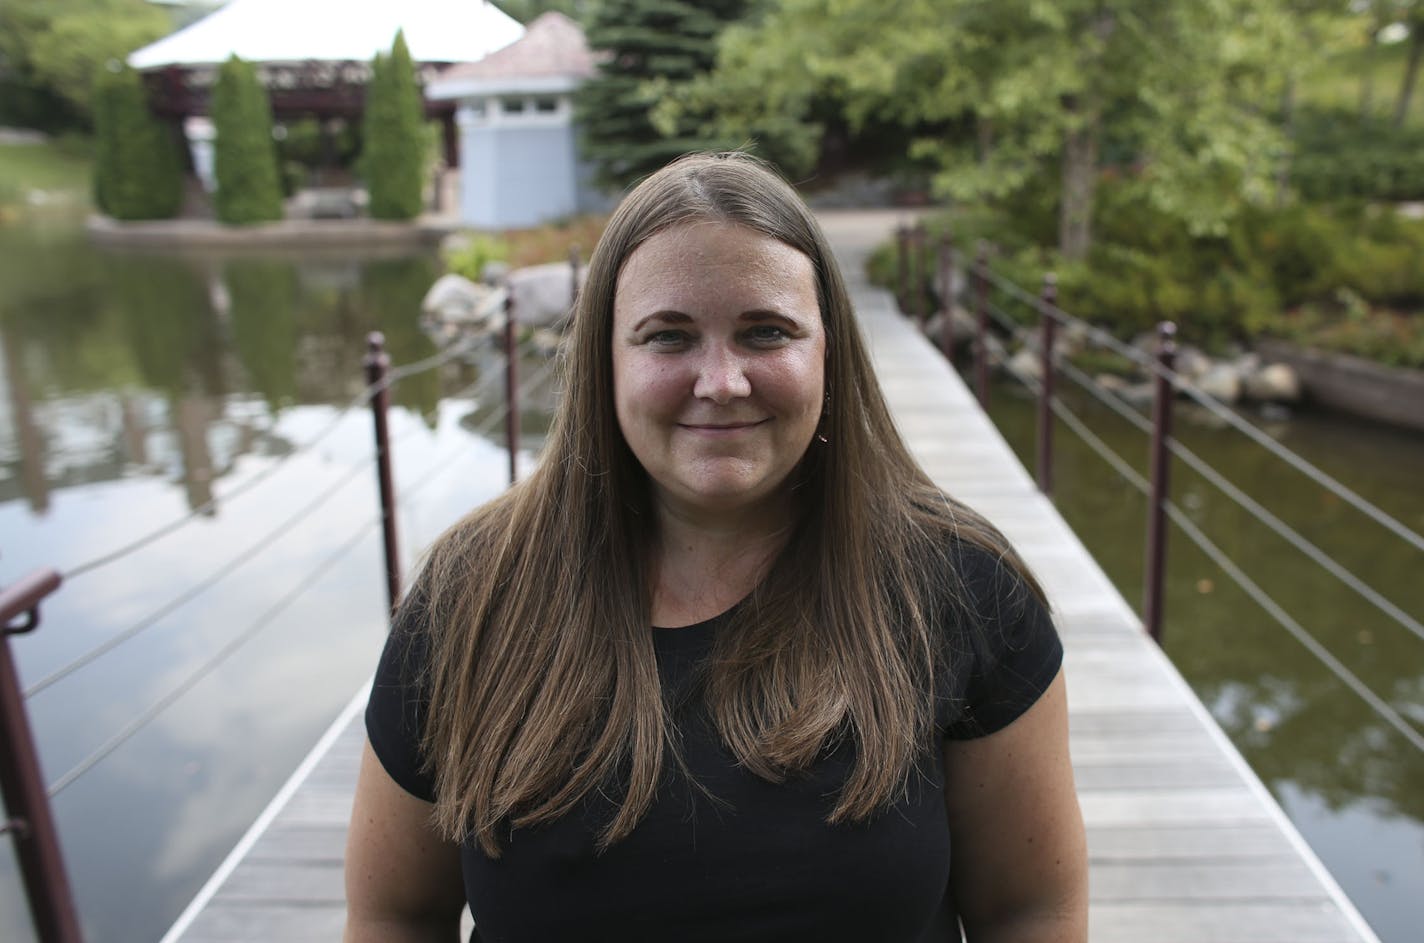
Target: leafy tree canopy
<point>1030,90</point>
<point>652,47</point>
<point>393,161</point>
<point>50,51</point>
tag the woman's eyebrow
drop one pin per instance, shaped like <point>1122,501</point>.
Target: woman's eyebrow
<point>671,317</point>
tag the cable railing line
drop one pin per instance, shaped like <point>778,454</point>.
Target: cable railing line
<point>1381,707</point>
<point>226,570</point>
<point>1250,504</point>
<point>360,399</point>
<point>1215,406</point>
<point>221,655</point>
<point>158,707</point>
<point>237,562</point>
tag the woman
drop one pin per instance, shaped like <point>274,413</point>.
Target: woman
<point>727,666</point>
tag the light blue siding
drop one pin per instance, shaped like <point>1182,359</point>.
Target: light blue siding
<point>514,176</point>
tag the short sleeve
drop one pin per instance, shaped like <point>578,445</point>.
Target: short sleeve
<point>1008,651</point>
<point>395,712</point>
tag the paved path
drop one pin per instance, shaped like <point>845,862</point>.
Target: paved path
<point>1185,843</point>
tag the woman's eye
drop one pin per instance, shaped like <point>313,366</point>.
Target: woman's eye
<point>767,334</point>
<point>666,339</point>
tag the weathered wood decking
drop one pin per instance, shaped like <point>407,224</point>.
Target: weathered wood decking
<point>1185,843</point>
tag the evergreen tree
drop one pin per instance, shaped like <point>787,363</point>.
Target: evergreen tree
<point>393,161</point>
<point>137,174</point>
<point>244,155</point>
<point>650,47</point>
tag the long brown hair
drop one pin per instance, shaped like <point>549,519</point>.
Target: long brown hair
<point>543,683</point>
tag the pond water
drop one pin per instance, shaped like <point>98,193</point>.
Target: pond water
<point>139,387</point>
<point>1352,784</point>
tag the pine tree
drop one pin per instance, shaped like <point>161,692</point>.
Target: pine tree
<point>137,174</point>
<point>393,161</point>
<point>244,155</point>
<point>649,45</point>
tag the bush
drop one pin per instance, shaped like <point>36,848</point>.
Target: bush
<point>1340,157</point>
<point>1145,267</point>
<point>244,156</point>
<point>137,172</point>
<point>469,257</point>
<point>393,161</point>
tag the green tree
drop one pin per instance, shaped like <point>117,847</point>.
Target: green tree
<point>51,49</point>
<point>137,174</point>
<point>651,47</point>
<point>527,10</point>
<point>394,158</point>
<point>1035,94</point>
<point>244,155</point>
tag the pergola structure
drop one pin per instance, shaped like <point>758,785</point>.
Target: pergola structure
<point>314,56</point>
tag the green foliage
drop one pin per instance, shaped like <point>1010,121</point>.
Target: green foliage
<point>51,49</point>
<point>470,256</point>
<point>526,10</point>
<point>652,47</point>
<point>244,157</point>
<point>1005,96</point>
<point>1340,157</point>
<point>1252,279</point>
<point>394,159</point>
<point>137,174</point>
<point>266,301</point>
<point>62,166</point>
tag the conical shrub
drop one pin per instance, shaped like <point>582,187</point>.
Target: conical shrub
<point>137,170</point>
<point>244,155</point>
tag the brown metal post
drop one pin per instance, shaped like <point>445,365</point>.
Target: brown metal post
<point>1163,394</point>
<point>31,824</point>
<point>917,272</point>
<point>981,324</point>
<point>1048,302</point>
<point>511,386</point>
<point>378,365</point>
<point>902,264</point>
<point>946,280</point>
<point>574,262</point>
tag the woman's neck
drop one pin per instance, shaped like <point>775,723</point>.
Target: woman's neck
<point>704,566</point>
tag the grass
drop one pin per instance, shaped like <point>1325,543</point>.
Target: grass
<point>1336,80</point>
<point>59,167</point>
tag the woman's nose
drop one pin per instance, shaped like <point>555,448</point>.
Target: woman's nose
<point>721,377</point>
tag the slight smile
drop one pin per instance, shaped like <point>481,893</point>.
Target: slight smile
<point>720,428</point>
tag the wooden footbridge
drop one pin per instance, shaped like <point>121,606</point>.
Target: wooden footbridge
<point>1185,843</point>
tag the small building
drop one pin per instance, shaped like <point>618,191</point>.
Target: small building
<point>519,163</point>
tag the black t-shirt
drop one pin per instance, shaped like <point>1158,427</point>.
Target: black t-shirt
<point>755,860</point>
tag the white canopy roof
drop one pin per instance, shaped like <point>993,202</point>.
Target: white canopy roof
<point>335,31</point>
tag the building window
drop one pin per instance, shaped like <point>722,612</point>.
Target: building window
<point>513,106</point>
<point>546,105</point>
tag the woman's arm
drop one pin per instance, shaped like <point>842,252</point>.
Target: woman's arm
<point>402,879</point>
<point>1019,867</point>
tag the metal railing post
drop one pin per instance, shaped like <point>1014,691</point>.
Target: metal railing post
<point>981,324</point>
<point>944,282</point>
<point>902,264</point>
<point>378,366</point>
<point>1048,301</point>
<point>917,273</point>
<point>1163,393</point>
<point>574,263</point>
<point>511,386</point>
<point>31,824</point>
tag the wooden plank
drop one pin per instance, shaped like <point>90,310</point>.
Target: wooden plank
<point>1182,845</point>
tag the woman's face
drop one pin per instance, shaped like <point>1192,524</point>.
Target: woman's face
<point>718,364</point>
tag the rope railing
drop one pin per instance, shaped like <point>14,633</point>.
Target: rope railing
<point>1245,501</point>
<point>1378,705</point>
<point>149,714</point>
<point>256,548</point>
<point>360,399</point>
<point>1202,398</point>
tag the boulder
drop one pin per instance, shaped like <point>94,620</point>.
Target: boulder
<point>543,294</point>
<point>1221,381</point>
<point>1025,364</point>
<point>454,299</point>
<point>1273,383</point>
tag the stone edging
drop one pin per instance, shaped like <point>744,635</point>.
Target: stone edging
<point>1392,395</point>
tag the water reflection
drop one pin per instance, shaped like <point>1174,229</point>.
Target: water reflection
<point>1335,765</point>
<point>141,386</point>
